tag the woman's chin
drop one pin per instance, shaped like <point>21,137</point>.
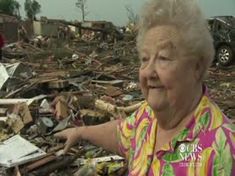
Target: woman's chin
<point>156,105</point>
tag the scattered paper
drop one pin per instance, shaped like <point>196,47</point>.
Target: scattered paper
<point>17,150</point>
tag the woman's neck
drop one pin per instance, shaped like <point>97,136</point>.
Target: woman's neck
<point>176,118</point>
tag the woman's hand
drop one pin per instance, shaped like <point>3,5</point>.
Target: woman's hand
<point>103,135</point>
<point>71,135</point>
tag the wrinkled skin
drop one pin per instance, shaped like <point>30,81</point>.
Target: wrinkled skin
<point>169,77</point>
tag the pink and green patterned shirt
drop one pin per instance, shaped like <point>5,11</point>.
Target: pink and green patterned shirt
<point>206,147</point>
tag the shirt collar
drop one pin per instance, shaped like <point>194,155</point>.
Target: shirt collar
<point>199,123</point>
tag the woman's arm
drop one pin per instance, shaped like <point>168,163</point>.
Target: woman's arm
<point>103,135</point>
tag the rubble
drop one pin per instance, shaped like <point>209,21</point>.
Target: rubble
<point>81,82</point>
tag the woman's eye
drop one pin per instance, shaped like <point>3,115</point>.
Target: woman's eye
<point>162,58</point>
<point>144,59</point>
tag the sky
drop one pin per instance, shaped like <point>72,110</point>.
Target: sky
<point>115,11</point>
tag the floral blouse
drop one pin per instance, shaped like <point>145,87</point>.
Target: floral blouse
<point>205,147</point>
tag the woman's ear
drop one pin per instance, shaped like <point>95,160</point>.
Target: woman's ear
<point>198,69</point>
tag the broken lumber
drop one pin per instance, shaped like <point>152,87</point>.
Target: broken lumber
<point>107,107</point>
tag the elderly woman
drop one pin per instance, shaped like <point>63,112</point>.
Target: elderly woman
<point>179,130</point>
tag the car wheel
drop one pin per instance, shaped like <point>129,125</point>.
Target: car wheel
<point>224,55</point>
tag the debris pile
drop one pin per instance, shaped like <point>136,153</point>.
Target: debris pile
<point>45,90</point>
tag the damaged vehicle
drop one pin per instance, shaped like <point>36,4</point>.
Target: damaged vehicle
<point>222,29</point>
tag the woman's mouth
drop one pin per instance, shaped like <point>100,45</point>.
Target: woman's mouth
<point>155,87</point>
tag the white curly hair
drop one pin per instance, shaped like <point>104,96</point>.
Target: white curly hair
<point>187,17</point>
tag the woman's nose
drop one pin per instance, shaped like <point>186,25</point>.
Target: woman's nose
<point>151,71</point>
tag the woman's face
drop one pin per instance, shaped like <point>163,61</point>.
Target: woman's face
<point>167,76</point>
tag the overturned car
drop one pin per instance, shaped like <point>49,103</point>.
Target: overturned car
<point>222,29</point>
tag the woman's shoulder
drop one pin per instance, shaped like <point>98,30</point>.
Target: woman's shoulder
<point>218,129</point>
<point>210,115</point>
<point>144,113</point>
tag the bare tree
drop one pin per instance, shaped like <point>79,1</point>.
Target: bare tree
<point>32,8</point>
<point>82,6</point>
<point>132,16</point>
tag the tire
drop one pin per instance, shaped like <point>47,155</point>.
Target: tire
<point>224,55</point>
